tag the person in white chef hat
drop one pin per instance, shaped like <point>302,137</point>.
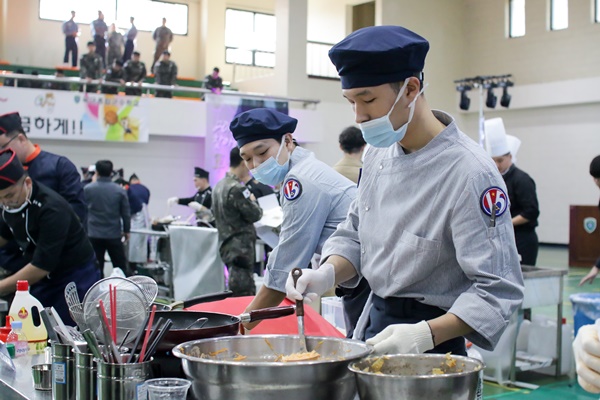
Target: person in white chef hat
<point>524,207</point>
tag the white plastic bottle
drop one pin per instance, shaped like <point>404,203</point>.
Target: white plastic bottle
<point>18,338</point>
<point>26,309</point>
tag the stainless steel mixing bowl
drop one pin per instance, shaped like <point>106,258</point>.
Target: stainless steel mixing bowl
<point>410,377</point>
<point>260,377</point>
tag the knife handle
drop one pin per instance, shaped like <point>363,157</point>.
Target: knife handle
<point>296,274</point>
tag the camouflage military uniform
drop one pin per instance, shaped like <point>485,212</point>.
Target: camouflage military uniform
<point>165,73</point>
<point>135,72</point>
<point>91,67</point>
<point>235,214</point>
<point>115,76</point>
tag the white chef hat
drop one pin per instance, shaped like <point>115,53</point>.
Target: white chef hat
<point>513,145</point>
<point>496,143</point>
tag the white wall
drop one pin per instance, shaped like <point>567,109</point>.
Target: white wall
<point>556,100</point>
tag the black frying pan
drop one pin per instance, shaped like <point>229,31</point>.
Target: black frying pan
<point>218,324</point>
<point>205,298</point>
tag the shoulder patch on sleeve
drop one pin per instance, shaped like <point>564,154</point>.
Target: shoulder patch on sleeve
<point>493,195</point>
<point>246,193</point>
<point>292,189</point>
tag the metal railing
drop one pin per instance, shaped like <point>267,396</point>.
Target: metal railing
<point>148,87</point>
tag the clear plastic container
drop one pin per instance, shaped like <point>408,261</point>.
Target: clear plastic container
<point>26,309</point>
<point>167,388</point>
<point>18,338</point>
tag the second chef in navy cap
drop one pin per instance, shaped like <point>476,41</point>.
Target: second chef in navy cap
<point>201,202</point>
<point>314,197</point>
<point>431,228</point>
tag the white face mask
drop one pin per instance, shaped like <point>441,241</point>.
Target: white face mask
<point>20,208</point>
<point>380,132</point>
<point>271,172</point>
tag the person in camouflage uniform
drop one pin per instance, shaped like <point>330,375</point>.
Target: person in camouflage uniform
<point>163,37</point>
<point>115,45</point>
<point>165,73</point>
<point>135,72</point>
<point>91,67</point>
<point>114,74</point>
<point>235,210</point>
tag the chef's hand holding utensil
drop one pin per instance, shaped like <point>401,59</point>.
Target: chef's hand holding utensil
<point>586,348</point>
<point>312,284</point>
<point>403,339</point>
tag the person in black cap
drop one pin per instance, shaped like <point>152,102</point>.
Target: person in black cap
<point>135,73</point>
<point>201,202</point>
<point>50,235</point>
<point>314,198</point>
<point>165,73</point>
<point>91,66</point>
<point>114,74</point>
<point>55,171</point>
<point>430,229</point>
<point>595,173</point>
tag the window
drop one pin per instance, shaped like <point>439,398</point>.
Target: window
<point>85,12</point>
<point>559,14</point>
<point>249,38</point>
<point>516,18</point>
<point>148,14</point>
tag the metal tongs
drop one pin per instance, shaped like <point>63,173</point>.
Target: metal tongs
<point>296,274</point>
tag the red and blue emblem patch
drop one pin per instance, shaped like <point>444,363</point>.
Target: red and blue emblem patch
<point>292,189</point>
<point>494,195</point>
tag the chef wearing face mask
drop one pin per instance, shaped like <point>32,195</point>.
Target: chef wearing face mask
<point>430,229</point>
<point>49,234</point>
<point>314,197</point>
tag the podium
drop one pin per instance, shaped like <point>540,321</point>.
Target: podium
<point>584,235</point>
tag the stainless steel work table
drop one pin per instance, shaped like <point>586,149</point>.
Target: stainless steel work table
<point>18,385</point>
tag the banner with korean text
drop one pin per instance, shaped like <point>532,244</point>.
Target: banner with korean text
<point>54,114</point>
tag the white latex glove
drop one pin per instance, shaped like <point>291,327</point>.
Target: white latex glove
<point>586,348</point>
<point>196,206</point>
<point>312,283</point>
<point>403,339</point>
<point>172,201</point>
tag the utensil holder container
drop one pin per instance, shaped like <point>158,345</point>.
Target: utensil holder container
<point>85,376</point>
<point>63,372</point>
<point>122,381</point>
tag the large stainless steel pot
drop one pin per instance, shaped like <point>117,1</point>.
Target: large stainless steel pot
<point>409,377</point>
<point>260,377</point>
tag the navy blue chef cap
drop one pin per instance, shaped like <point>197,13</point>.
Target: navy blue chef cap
<point>261,123</point>
<point>376,55</point>
<point>200,173</point>
<point>11,169</point>
<point>10,122</point>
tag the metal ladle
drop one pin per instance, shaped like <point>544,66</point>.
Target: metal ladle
<point>296,274</point>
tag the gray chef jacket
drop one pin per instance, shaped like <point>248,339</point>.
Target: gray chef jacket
<point>315,199</point>
<point>421,228</point>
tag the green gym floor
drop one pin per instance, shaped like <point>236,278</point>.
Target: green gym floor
<point>566,387</point>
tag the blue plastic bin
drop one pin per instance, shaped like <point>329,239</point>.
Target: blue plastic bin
<point>586,309</point>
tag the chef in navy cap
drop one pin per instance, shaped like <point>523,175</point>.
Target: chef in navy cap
<point>430,230</point>
<point>49,234</point>
<point>314,197</point>
<point>201,202</point>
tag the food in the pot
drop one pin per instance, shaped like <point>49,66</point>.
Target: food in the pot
<point>304,356</point>
<point>214,353</point>
<point>239,357</point>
